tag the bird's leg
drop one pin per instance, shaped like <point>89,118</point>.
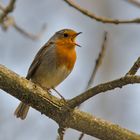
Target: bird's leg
<point>59,94</point>
<point>49,90</point>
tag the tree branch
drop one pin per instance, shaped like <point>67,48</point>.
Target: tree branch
<point>76,101</point>
<point>98,18</point>
<point>29,35</point>
<point>118,83</point>
<point>61,132</point>
<point>97,65</point>
<point>57,110</point>
<point>98,60</point>
<point>134,68</point>
<point>134,2</point>
<point>7,10</point>
<point>6,21</point>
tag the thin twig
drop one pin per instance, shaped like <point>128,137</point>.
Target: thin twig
<point>134,68</point>
<point>134,2</point>
<point>29,35</point>
<point>76,101</point>
<point>118,83</point>
<point>7,10</point>
<point>7,21</point>
<point>81,136</point>
<point>97,65</point>
<point>61,132</point>
<point>99,18</point>
<point>98,61</point>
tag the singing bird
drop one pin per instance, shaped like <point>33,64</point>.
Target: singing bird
<point>52,64</point>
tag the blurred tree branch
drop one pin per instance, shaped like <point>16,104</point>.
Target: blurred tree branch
<point>61,132</point>
<point>96,68</point>
<point>29,35</point>
<point>118,83</point>
<point>6,21</point>
<point>7,10</point>
<point>134,2</point>
<point>98,18</point>
<point>98,60</point>
<point>132,71</point>
<point>60,112</point>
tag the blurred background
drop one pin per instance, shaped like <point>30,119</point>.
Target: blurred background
<point>120,106</point>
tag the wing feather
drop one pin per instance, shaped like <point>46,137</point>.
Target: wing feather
<point>37,60</point>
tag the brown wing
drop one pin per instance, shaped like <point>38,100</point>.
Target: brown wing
<point>37,60</point>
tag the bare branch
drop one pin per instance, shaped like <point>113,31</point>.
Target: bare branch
<point>118,83</point>
<point>98,61</point>
<point>98,18</point>
<point>134,2</point>
<point>57,110</point>
<point>97,65</point>
<point>134,68</point>
<point>7,10</point>
<point>7,21</point>
<point>29,35</point>
<point>81,136</point>
<point>61,132</point>
<point>76,101</point>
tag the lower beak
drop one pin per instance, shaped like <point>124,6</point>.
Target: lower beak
<point>78,45</point>
<point>75,36</point>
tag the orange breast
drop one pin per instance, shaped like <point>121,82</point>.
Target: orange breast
<point>66,55</point>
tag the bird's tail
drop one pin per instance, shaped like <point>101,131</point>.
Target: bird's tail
<point>21,111</point>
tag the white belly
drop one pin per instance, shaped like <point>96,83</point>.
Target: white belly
<point>51,77</point>
<point>49,74</point>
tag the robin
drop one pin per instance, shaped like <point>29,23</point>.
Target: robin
<point>52,64</point>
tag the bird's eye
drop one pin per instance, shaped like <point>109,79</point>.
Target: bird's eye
<point>66,35</point>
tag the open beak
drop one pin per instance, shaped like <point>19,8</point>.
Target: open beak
<point>78,45</point>
<point>76,36</point>
<point>78,33</point>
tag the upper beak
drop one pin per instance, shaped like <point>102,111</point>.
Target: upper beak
<point>78,33</point>
<point>75,36</point>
